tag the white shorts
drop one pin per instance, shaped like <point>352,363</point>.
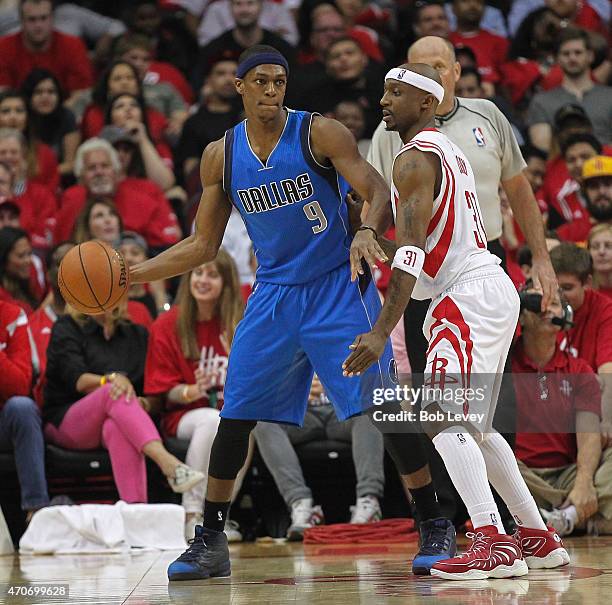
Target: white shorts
<point>469,329</point>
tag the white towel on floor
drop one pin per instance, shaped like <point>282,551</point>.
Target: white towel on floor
<point>97,528</point>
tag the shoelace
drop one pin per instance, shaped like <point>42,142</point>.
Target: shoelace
<point>479,541</point>
<point>196,545</point>
<point>438,539</point>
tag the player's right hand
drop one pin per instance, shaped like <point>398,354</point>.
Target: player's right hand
<point>365,246</point>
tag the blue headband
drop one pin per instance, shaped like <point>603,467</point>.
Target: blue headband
<point>264,58</point>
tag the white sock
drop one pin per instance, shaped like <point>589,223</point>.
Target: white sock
<point>468,472</point>
<point>505,477</point>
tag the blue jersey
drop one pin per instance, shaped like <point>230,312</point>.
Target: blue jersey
<point>294,208</point>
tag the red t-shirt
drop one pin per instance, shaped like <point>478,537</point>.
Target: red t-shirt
<point>47,173</point>
<point>521,75</point>
<point>38,208</point>
<point>160,71</point>
<point>139,314</point>
<point>93,122</point>
<point>41,324</point>
<point>66,58</point>
<point>141,211</point>
<point>591,337</point>
<point>167,367</point>
<point>15,352</point>
<point>547,402</point>
<point>490,49</point>
<point>577,231</point>
<point>606,292</point>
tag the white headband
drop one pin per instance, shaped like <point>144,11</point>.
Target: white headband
<point>416,80</point>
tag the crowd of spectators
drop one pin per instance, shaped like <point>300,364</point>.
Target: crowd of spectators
<point>105,110</point>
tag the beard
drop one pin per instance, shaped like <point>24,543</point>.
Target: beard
<point>600,209</point>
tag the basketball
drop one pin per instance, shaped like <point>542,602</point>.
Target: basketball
<point>93,277</point>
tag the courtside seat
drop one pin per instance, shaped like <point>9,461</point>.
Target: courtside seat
<point>77,463</point>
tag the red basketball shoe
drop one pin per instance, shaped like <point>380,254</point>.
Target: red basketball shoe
<point>491,555</point>
<point>542,548</point>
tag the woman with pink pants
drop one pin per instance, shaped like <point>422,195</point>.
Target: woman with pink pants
<point>95,368</point>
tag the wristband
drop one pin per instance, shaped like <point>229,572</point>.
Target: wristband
<point>184,394</point>
<point>102,380</point>
<point>364,227</point>
<point>409,259</point>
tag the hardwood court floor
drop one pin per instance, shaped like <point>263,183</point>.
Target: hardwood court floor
<point>278,574</point>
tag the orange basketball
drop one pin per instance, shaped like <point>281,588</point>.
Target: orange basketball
<point>93,277</point>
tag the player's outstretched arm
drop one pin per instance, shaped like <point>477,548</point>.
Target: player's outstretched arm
<point>332,140</point>
<point>415,175</point>
<point>210,223</point>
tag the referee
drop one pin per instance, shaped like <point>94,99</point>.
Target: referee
<point>486,138</point>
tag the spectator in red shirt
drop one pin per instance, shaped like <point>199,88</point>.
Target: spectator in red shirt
<point>36,202</point>
<point>591,336</point>
<point>187,361</point>
<point>39,45</point>
<point>41,159</point>
<point>531,63</point>
<point>120,77</point>
<point>16,284</point>
<point>98,169</point>
<point>127,112</point>
<point>20,423</point>
<point>490,49</point>
<point>596,190</point>
<point>600,247</point>
<point>558,439</point>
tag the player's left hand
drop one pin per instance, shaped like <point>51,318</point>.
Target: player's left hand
<point>545,280</point>
<point>367,349</point>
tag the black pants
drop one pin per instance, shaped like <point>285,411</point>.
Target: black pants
<point>416,346</point>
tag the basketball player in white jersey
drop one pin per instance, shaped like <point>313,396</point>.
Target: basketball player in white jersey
<point>440,253</point>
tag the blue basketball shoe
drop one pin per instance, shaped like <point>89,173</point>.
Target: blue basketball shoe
<point>437,542</point>
<point>206,557</point>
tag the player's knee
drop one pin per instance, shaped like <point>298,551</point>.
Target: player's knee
<point>230,447</point>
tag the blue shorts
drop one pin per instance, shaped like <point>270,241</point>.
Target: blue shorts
<point>290,331</point>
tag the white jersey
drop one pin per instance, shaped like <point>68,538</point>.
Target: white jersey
<point>456,241</point>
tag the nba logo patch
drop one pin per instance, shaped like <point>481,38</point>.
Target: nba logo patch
<point>479,136</point>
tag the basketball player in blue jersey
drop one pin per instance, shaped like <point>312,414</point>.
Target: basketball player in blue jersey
<point>287,173</point>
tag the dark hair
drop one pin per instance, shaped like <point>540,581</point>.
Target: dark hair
<point>421,4</point>
<point>468,52</point>
<point>340,40</point>
<point>11,93</point>
<point>581,137</point>
<point>141,103</point>
<point>530,151</point>
<point>573,33</point>
<point>521,45</point>
<point>46,127</point>
<point>569,258</point>
<point>19,289</point>
<point>129,41</point>
<point>257,49</point>
<point>100,92</point>
<point>524,256</point>
<point>470,71</point>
